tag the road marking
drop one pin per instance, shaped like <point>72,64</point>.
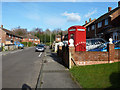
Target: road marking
<point>40,54</point>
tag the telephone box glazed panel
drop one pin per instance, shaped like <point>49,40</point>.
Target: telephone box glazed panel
<point>78,34</point>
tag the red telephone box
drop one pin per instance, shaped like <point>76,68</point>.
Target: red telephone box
<point>78,34</point>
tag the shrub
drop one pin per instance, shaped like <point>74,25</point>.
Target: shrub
<point>30,44</point>
<point>24,43</point>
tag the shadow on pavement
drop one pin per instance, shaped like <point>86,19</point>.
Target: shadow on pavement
<point>57,58</point>
<point>26,87</point>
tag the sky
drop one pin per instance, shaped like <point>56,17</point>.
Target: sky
<point>51,15</point>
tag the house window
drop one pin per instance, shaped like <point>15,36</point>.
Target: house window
<point>29,39</point>
<point>38,39</point>
<point>88,28</point>
<point>9,35</point>
<point>106,21</point>
<point>93,27</point>
<point>99,24</point>
<point>35,39</point>
<point>32,39</point>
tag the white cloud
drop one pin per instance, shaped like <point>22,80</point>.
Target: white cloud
<point>90,13</point>
<point>73,17</point>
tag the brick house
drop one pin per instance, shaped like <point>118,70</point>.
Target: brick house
<point>8,37</point>
<point>31,38</point>
<point>106,26</point>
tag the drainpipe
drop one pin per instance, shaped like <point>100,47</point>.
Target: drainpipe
<point>95,29</point>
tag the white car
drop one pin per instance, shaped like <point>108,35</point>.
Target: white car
<point>39,47</point>
<point>93,43</point>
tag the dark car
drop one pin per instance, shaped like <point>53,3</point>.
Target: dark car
<point>40,48</point>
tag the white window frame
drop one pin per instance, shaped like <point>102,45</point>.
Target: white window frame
<point>35,39</point>
<point>9,35</point>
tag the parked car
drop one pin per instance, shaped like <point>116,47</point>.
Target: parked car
<point>44,46</point>
<point>21,46</point>
<point>93,43</point>
<point>39,47</point>
<point>103,47</point>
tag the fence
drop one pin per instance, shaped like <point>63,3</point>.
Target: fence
<point>70,57</point>
<point>10,47</point>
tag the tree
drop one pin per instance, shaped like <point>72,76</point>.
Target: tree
<point>20,31</point>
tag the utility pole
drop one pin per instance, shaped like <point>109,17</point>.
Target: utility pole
<point>50,38</point>
<point>45,37</point>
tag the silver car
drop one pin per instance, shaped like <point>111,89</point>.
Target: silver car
<point>40,48</point>
<point>93,43</point>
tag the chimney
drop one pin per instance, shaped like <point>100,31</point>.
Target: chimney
<point>109,9</point>
<point>85,22</point>
<point>1,26</point>
<point>89,19</point>
<point>118,3</point>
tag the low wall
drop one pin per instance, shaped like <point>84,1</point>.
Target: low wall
<point>10,47</point>
<point>63,52</point>
<point>117,54</point>
<point>69,56</point>
<point>90,56</point>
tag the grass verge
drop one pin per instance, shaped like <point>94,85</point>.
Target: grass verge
<point>97,76</point>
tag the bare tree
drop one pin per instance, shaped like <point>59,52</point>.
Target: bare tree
<point>20,31</point>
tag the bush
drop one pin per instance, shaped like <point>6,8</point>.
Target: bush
<point>24,43</point>
<point>30,44</point>
<point>3,48</point>
<point>35,44</point>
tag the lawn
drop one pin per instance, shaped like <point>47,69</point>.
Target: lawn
<point>97,76</point>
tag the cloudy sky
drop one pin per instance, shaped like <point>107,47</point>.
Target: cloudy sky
<point>51,15</point>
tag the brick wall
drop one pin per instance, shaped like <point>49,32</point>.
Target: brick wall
<point>2,36</point>
<point>117,54</point>
<point>91,56</point>
<point>69,56</point>
<point>63,52</point>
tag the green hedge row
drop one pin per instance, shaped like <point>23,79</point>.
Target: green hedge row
<point>29,44</point>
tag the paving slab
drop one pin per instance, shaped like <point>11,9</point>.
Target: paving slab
<point>54,74</point>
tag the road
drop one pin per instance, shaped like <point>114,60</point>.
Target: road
<point>21,67</point>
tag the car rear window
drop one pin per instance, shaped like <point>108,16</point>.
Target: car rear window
<point>40,46</point>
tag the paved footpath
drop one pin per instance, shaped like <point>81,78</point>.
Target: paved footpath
<point>54,74</point>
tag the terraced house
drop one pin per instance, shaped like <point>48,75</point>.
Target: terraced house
<point>8,37</point>
<point>106,26</point>
<point>31,38</point>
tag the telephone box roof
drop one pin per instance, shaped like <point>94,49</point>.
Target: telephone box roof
<point>76,26</point>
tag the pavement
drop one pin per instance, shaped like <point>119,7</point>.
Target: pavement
<point>21,68</point>
<point>14,51</point>
<point>54,74</point>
